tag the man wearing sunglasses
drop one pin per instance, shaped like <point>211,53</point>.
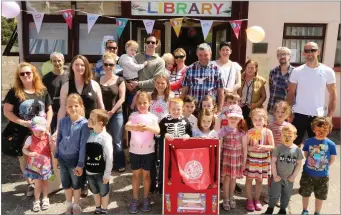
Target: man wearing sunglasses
<point>155,66</point>
<point>203,78</point>
<point>110,46</point>
<point>309,82</point>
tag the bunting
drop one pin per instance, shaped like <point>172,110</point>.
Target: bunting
<point>236,26</point>
<point>38,20</point>
<point>67,14</point>
<point>121,24</point>
<point>92,18</point>
<point>176,24</point>
<point>206,27</point>
<point>149,25</point>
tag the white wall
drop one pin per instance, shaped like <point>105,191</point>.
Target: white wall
<point>278,13</point>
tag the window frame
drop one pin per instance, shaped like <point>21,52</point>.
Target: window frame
<point>338,39</point>
<point>300,37</point>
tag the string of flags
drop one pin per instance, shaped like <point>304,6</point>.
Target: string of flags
<point>176,23</point>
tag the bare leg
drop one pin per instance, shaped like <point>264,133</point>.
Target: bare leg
<point>105,202</point>
<point>305,203</point>
<point>258,189</point>
<point>226,187</point>
<point>232,186</point>
<point>97,199</point>
<point>45,189</point>
<point>68,194</point>
<point>146,183</point>
<point>318,205</point>
<point>38,186</point>
<point>248,185</point>
<point>76,196</point>
<point>136,183</point>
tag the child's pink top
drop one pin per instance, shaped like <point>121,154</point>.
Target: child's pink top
<point>142,143</point>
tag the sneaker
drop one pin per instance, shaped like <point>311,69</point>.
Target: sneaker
<point>36,206</point>
<point>226,205</point>
<point>69,208</point>
<point>30,190</point>
<point>134,207</point>
<point>258,205</point>
<point>98,210</point>
<point>249,205</point>
<point>76,209</point>
<point>282,211</point>
<point>238,190</point>
<point>104,211</point>
<point>146,205</point>
<point>45,204</point>
<point>84,191</point>
<point>305,212</point>
<point>269,211</point>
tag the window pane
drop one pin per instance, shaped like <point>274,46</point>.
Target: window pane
<point>50,7</point>
<point>99,7</point>
<point>52,37</point>
<point>297,45</point>
<point>304,31</point>
<point>142,34</point>
<point>338,53</point>
<point>92,43</point>
<point>220,37</point>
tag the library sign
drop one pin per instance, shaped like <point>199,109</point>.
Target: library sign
<point>154,8</point>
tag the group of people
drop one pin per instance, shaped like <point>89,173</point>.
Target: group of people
<point>80,116</point>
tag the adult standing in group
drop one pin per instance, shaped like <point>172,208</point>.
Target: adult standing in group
<point>309,82</point>
<point>80,82</point>
<point>252,92</point>
<point>28,98</point>
<point>111,47</point>
<point>177,75</point>
<point>230,71</point>
<point>279,79</point>
<point>203,78</point>
<point>54,81</point>
<point>113,92</point>
<point>155,66</point>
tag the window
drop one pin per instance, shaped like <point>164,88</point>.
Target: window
<point>52,37</point>
<point>142,34</point>
<point>338,49</point>
<point>92,43</point>
<point>295,36</point>
<point>99,7</point>
<point>49,7</point>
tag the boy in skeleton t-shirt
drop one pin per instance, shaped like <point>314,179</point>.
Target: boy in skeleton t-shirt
<point>173,125</point>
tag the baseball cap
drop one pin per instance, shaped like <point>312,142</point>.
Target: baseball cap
<point>234,111</point>
<point>38,123</point>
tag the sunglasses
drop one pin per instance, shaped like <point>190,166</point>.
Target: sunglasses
<point>180,57</point>
<point>108,64</point>
<point>282,55</point>
<point>25,74</point>
<point>151,42</point>
<point>111,48</point>
<point>310,50</point>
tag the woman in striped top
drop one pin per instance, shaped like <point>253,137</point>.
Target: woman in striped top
<point>178,72</point>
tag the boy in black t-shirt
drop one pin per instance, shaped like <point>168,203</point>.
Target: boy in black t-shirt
<point>173,125</point>
<point>99,159</point>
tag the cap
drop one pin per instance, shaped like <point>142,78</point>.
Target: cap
<point>234,111</point>
<point>38,123</point>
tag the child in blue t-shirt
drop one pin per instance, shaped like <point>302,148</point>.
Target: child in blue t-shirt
<point>320,153</point>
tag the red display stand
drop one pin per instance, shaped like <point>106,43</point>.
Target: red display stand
<point>191,176</point>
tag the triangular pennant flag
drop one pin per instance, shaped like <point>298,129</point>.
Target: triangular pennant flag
<point>206,27</point>
<point>92,18</point>
<point>176,23</point>
<point>67,14</point>
<point>149,25</point>
<point>38,19</point>
<point>236,25</point>
<point>121,23</point>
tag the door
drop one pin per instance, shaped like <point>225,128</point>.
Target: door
<point>220,33</point>
<point>139,34</point>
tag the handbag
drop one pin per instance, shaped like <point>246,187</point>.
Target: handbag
<point>12,139</point>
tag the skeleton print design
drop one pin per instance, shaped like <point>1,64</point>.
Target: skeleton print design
<point>177,129</point>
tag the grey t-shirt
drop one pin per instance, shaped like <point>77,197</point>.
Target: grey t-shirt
<point>286,159</point>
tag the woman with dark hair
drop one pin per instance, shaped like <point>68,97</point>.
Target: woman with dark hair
<point>28,98</point>
<point>178,72</point>
<point>80,82</point>
<point>230,71</point>
<point>252,92</point>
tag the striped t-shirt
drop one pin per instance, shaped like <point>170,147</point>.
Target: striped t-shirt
<point>277,131</point>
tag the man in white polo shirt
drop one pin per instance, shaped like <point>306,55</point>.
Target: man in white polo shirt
<point>309,82</point>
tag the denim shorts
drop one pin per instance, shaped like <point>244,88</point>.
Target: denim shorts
<point>96,184</point>
<point>67,177</point>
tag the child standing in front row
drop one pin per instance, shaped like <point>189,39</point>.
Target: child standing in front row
<point>320,153</point>
<point>285,164</point>
<point>73,133</point>
<point>99,159</point>
<point>229,99</point>
<point>205,125</point>
<point>173,125</point>
<point>189,107</point>
<point>260,143</point>
<point>143,126</point>
<point>233,154</point>
<point>39,166</point>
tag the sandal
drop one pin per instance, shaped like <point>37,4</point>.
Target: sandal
<point>226,204</point>
<point>45,204</point>
<point>36,206</point>
<point>76,209</point>
<point>250,206</point>
<point>233,203</point>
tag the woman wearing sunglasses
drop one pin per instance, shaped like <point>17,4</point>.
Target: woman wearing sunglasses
<point>113,94</point>
<point>178,72</point>
<point>230,71</point>
<point>28,98</point>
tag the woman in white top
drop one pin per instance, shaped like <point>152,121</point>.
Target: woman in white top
<point>230,71</point>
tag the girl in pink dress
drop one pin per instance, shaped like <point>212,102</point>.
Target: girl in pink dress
<point>233,156</point>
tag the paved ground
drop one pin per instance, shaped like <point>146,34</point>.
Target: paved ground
<point>15,202</point>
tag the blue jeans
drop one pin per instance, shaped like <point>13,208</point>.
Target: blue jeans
<point>115,128</point>
<point>66,174</point>
<point>96,184</point>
